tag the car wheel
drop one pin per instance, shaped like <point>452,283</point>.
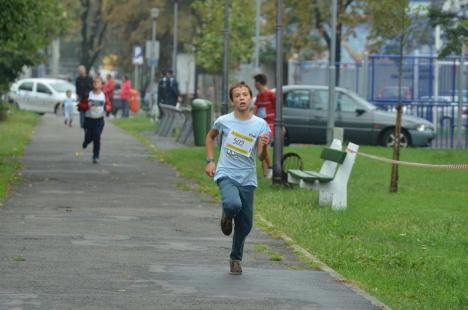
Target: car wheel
<point>388,138</point>
<point>58,110</point>
<point>286,138</point>
<point>15,105</point>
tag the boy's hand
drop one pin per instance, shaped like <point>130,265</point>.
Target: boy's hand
<point>210,169</point>
<point>264,139</point>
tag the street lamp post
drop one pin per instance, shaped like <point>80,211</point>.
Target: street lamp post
<point>224,106</point>
<point>331,76</point>
<point>174,44</point>
<point>154,17</point>
<point>278,147</point>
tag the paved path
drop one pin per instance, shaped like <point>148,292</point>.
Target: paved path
<point>121,235</point>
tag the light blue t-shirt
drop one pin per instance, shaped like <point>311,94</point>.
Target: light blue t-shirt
<point>231,164</point>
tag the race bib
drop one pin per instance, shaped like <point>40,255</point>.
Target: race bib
<point>239,143</point>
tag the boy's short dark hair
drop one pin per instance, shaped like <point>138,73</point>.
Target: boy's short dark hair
<point>238,85</point>
<point>260,78</point>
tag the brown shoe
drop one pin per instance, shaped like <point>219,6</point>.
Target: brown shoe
<point>226,225</point>
<point>236,268</point>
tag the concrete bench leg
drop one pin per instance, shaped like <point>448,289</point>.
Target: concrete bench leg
<point>335,193</point>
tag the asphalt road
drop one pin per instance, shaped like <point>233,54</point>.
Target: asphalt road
<point>122,235</point>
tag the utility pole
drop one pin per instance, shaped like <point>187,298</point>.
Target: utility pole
<point>224,106</point>
<point>278,147</point>
<point>154,17</point>
<point>174,44</point>
<point>331,76</point>
<point>257,36</point>
<point>461,83</point>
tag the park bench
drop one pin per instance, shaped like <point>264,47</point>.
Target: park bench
<point>332,179</point>
<point>176,118</point>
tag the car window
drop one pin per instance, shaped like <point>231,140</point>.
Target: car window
<point>62,87</point>
<point>320,100</point>
<point>345,103</point>
<point>297,99</point>
<point>41,88</point>
<point>27,86</point>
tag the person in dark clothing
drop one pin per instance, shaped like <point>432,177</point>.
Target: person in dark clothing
<point>83,84</point>
<point>168,89</point>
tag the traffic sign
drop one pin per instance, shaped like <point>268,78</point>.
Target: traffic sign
<point>152,51</point>
<point>137,55</point>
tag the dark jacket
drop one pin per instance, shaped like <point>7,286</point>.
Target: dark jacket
<point>83,84</point>
<point>168,91</point>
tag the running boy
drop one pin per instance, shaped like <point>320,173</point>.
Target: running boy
<point>68,108</point>
<point>243,135</point>
<point>94,108</point>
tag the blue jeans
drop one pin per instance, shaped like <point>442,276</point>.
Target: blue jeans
<point>237,204</point>
<point>125,111</point>
<point>93,130</point>
<point>82,117</point>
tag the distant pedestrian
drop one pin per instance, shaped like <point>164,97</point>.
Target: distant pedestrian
<point>109,90</point>
<point>168,89</point>
<point>83,84</point>
<point>94,107</point>
<point>265,108</point>
<point>69,106</point>
<point>125,95</point>
<point>243,135</point>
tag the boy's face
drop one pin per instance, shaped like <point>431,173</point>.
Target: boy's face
<point>241,99</point>
<point>97,84</point>
<point>68,94</point>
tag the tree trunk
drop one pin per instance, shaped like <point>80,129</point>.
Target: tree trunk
<point>396,146</point>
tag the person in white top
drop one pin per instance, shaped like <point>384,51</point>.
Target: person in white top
<point>68,108</point>
<point>94,108</point>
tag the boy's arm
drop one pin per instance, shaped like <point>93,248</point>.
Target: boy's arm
<point>209,146</point>
<point>262,145</point>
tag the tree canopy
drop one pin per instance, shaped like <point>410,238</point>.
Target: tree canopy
<point>455,26</point>
<point>26,26</point>
<point>208,41</point>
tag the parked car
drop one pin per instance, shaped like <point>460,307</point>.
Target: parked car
<point>42,95</point>
<point>391,93</point>
<point>305,115</point>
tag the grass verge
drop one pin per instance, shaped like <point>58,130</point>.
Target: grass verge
<point>15,134</point>
<point>408,249</point>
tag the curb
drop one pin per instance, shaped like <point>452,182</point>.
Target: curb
<point>323,267</point>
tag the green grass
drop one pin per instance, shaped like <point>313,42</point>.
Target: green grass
<point>15,134</point>
<point>409,249</point>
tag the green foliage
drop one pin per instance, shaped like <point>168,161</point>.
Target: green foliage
<point>455,26</point>
<point>15,134</point>
<point>389,20</point>
<point>307,25</point>
<point>209,39</point>
<point>26,26</point>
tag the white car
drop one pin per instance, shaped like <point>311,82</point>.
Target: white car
<point>42,95</point>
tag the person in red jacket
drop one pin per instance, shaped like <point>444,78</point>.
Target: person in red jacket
<point>109,89</point>
<point>94,107</point>
<point>125,95</point>
<point>265,108</point>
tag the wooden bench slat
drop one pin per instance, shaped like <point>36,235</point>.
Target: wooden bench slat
<point>310,176</point>
<point>333,155</point>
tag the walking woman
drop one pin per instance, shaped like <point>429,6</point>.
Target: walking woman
<point>94,107</point>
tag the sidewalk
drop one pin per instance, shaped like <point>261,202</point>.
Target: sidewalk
<point>121,235</point>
